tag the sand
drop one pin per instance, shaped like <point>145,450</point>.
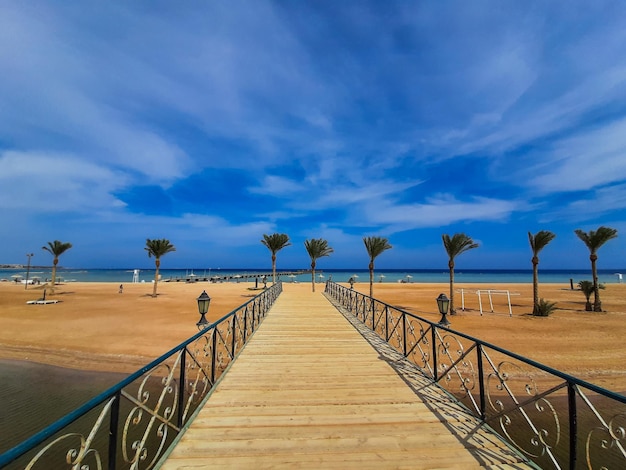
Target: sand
<point>93,327</point>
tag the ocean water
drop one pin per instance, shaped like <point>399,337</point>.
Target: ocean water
<point>484,276</point>
<point>34,396</point>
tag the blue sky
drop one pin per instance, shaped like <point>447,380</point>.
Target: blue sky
<point>212,123</point>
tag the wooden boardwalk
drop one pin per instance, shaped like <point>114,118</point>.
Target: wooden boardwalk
<point>309,391</point>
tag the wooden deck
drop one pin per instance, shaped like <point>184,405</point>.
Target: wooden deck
<point>309,391</point>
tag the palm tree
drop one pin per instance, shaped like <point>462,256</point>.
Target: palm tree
<point>586,288</point>
<point>316,248</point>
<point>459,243</point>
<point>594,240</point>
<point>275,243</point>
<point>537,243</point>
<point>158,248</point>
<point>374,246</point>
<point>56,248</point>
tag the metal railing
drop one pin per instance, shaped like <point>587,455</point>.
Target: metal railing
<point>555,419</point>
<point>132,424</point>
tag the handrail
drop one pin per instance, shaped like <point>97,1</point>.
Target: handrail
<point>208,360</point>
<point>504,390</point>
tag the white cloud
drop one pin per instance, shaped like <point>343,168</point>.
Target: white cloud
<point>40,182</point>
<point>347,196</point>
<point>598,203</point>
<point>277,186</point>
<point>439,211</point>
<point>588,160</point>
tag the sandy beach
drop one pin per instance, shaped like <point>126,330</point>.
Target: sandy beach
<point>94,327</point>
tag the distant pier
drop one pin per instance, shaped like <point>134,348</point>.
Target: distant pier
<point>235,277</point>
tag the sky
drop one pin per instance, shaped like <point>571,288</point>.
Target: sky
<point>213,123</point>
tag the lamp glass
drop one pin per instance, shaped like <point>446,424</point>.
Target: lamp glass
<point>203,303</point>
<point>443,302</point>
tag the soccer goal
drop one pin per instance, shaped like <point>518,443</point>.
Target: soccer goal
<point>490,293</point>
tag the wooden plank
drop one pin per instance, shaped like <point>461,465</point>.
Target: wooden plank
<point>309,392</point>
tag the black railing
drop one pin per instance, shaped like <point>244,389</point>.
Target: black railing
<point>555,419</point>
<point>131,425</point>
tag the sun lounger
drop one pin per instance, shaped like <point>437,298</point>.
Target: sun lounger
<point>42,302</point>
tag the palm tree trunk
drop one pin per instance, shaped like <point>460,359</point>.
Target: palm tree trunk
<point>157,263</point>
<point>597,304</point>
<point>535,285</point>
<point>313,276</point>
<point>273,269</point>
<point>54,274</point>
<point>451,266</point>
<point>371,266</point>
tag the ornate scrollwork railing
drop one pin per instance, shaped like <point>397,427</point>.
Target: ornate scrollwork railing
<point>131,425</point>
<point>555,419</point>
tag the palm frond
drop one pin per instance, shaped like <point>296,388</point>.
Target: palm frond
<point>539,240</point>
<point>375,246</point>
<point>158,247</point>
<point>594,239</point>
<point>317,248</point>
<point>458,244</point>
<point>276,241</point>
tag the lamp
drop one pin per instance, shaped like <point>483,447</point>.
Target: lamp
<point>203,307</point>
<point>29,255</point>
<point>443,302</point>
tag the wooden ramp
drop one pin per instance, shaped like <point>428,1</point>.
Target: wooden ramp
<point>309,391</point>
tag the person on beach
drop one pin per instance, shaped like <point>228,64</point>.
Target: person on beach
<point>121,288</point>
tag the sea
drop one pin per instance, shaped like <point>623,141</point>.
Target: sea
<point>484,276</point>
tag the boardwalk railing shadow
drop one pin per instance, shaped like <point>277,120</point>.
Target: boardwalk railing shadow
<point>554,419</point>
<point>474,434</point>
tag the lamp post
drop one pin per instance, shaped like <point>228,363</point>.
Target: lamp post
<point>29,255</point>
<point>443,302</point>
<point>203,307</point>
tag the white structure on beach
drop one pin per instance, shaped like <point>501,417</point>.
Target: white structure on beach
<point>135,276</point>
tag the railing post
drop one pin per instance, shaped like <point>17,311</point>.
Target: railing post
<point>364,308</point>
<point>386,323</point>
<point>481,379</point>
<point>113,425</point>
<point>234,343</point>
<point>214,355</point>
<point>404,333</point>
<point>245,324</point>
<point>253,314</point>
<point>181,387</point>
<point>573,424</point>
<point>434,338</point>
